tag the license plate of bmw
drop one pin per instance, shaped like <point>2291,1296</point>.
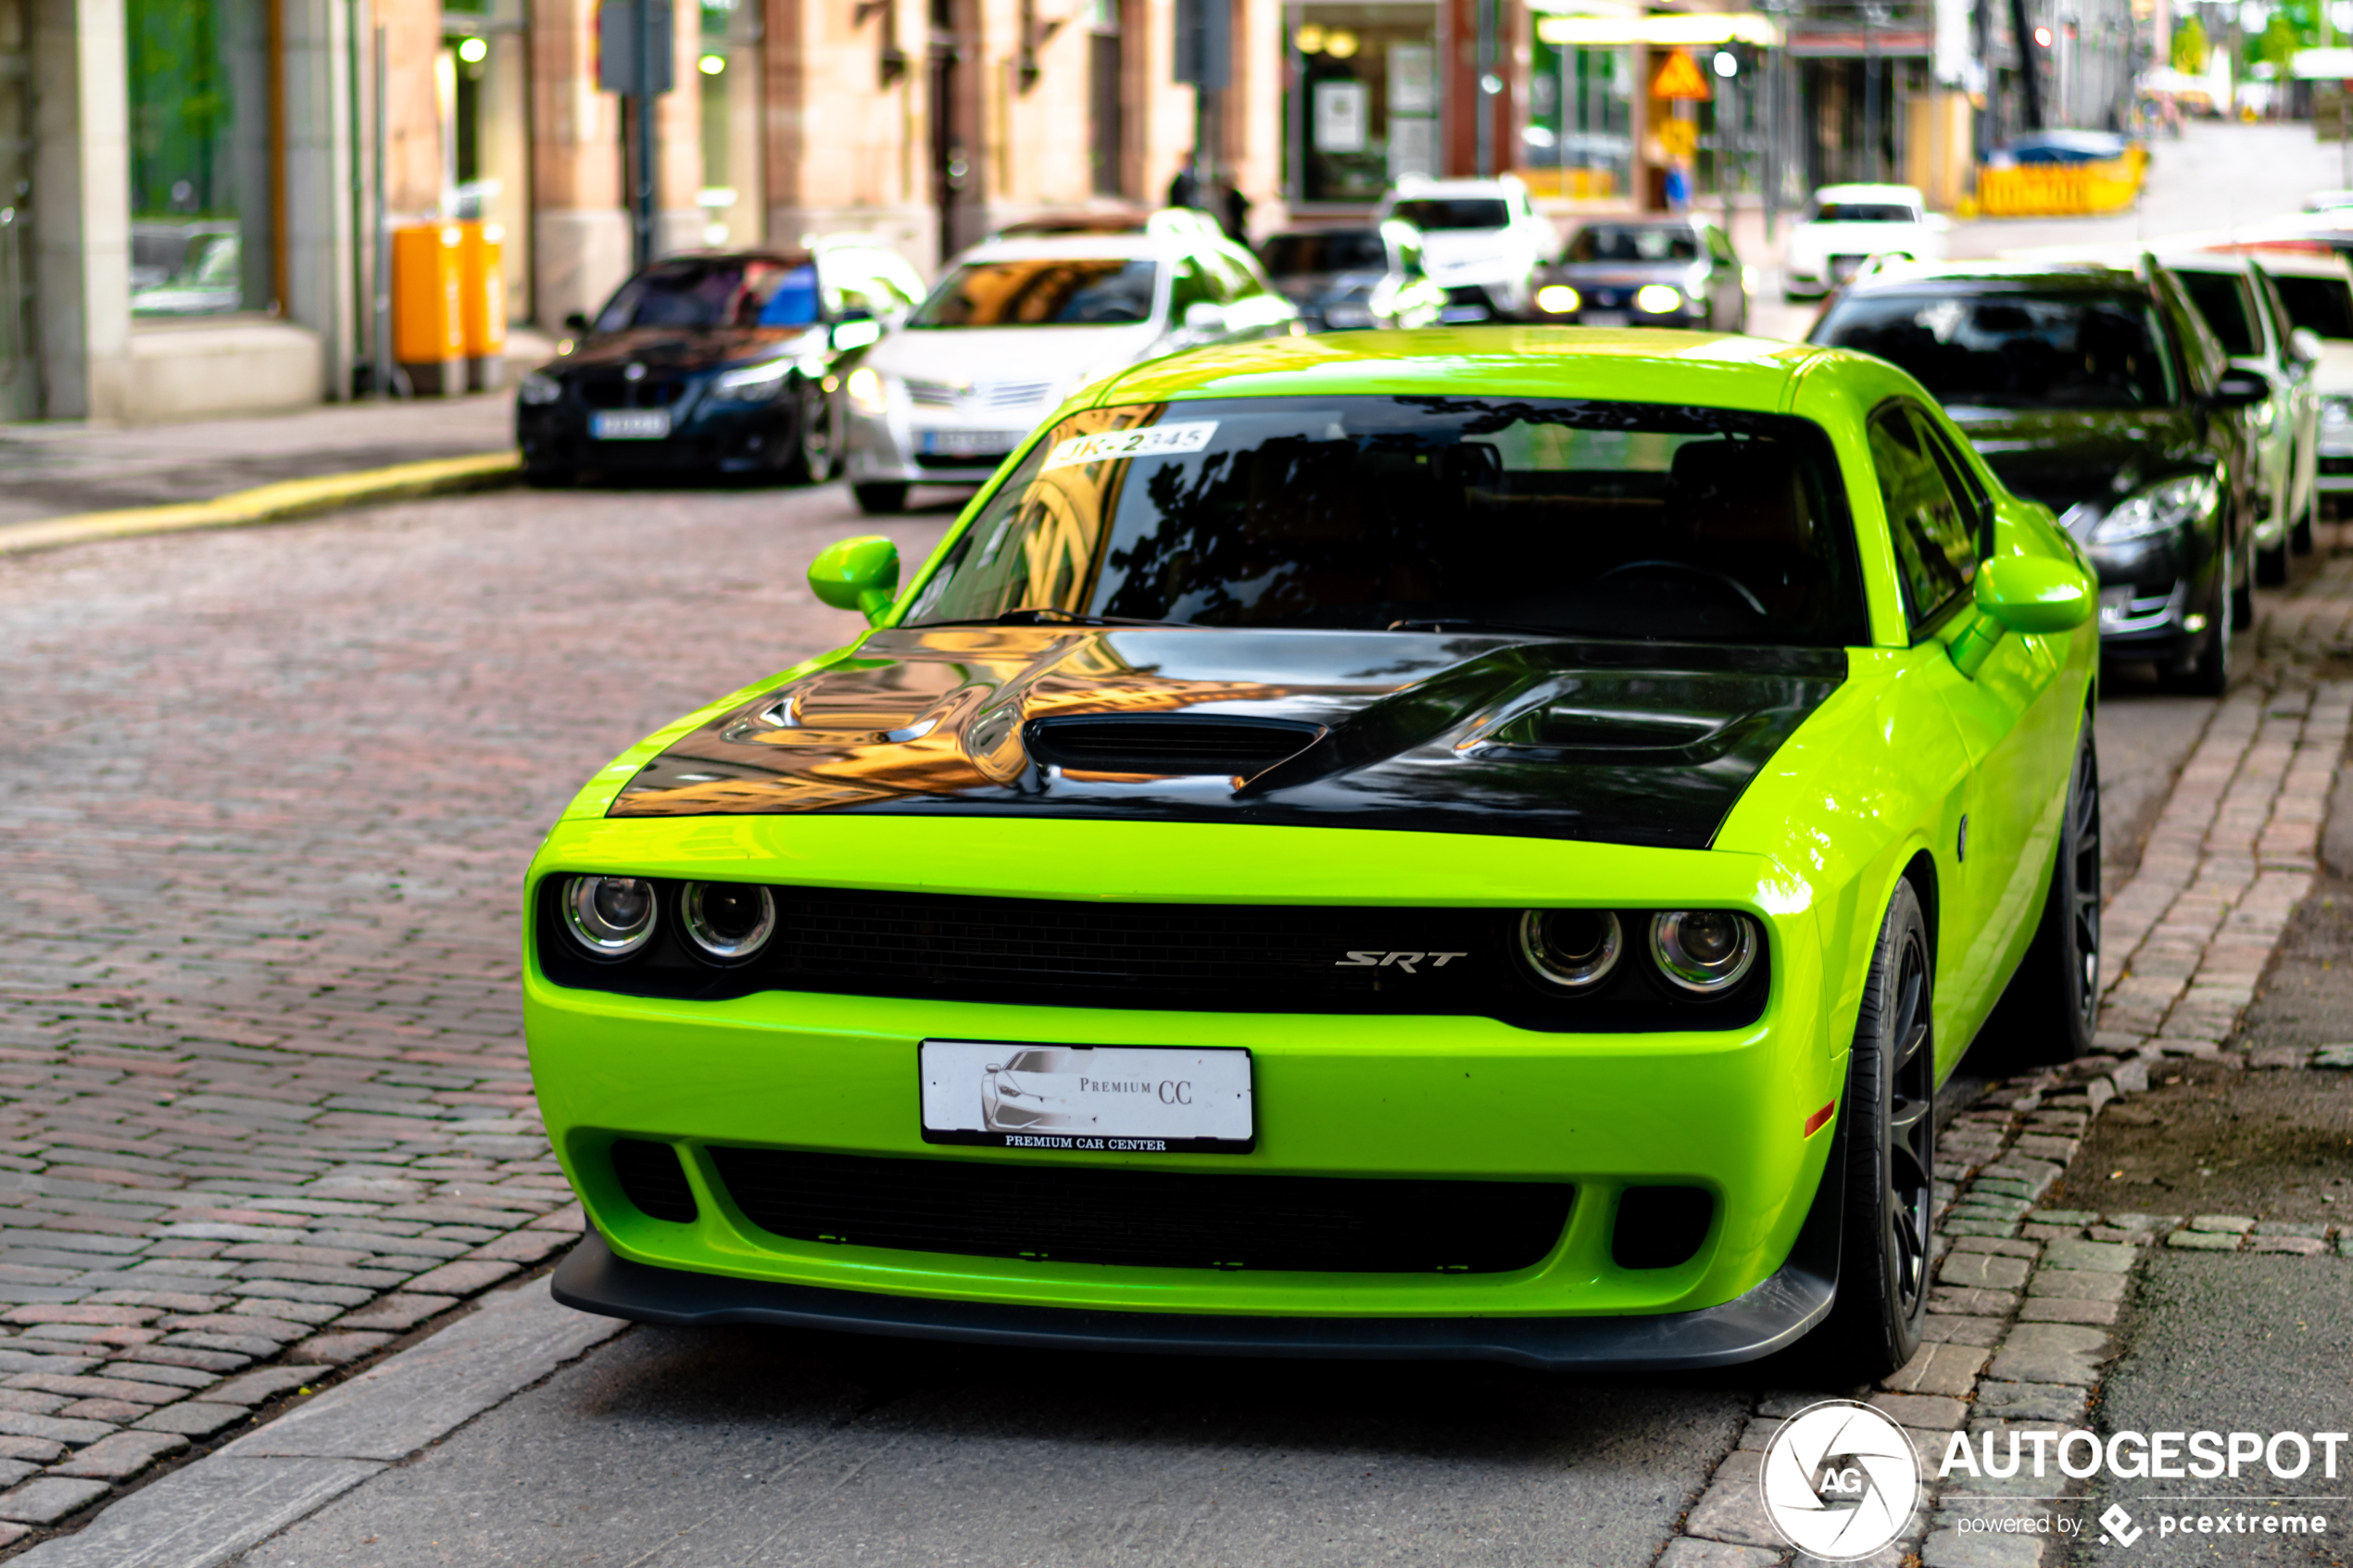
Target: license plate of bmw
<point>968,443</point>
<point>1101,1099</point>
<point>631,424</point>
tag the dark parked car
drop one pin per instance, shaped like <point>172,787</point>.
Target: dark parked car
<point>1670,273</point>
<point>1344,278</point>
<point>711,363</point>
<point>2101,392</point>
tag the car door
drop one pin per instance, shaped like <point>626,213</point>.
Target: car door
<point>1941,519</point>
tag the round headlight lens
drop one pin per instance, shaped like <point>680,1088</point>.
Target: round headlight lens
<point>727,920</point>
<point>1570,949</point>
<point>610,916</point>
<point>1703,951</point>
<point>1557,299</point>
<point>1658,299</point>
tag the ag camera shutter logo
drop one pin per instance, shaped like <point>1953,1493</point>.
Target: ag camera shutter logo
<point>1840,1480</point>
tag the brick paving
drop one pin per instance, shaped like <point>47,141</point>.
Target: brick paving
<point>264,1103</point>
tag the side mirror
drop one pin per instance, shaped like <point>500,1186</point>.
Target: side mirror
<point>1205,317</point>
<point>576,323</point>
<point>2022,594</point>
<point>2240,388</point>
<point>2305,344</point>
<point>859,574</point>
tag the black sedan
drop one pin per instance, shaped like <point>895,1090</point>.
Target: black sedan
<point>1348,278</point>
<point>1658,272</point>
<point>2065,379</point>
<point>704,363</point>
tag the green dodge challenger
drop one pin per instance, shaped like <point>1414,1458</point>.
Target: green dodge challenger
<point>1471,842</point>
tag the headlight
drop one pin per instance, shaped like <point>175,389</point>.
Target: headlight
<point>610,916</point>
<point>752,383</point>
<point>1557,299</point>
<point>1570,949</point>
<point>1658,298</point>
<point>727,920</point>
<point>2159,510</point>
<point>1703,951</point>
<point>536,388</point>
<point>869,394</point>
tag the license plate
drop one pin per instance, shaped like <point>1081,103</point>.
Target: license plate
<point>1109,1100</point>
<point>1454,315</point>
<point>968,443</point>
<point>1602,318</point>
<point>631,424</point>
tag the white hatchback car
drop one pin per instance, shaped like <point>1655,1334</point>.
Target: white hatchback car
<point>1015,326</point>
<point>1483,242</point>
<point>2242,303</point>
<point>1849,225</point>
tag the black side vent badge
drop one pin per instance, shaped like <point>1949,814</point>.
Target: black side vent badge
<point>1166,743</point>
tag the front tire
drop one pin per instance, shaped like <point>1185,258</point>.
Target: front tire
<point>2048,1015</point>
<point>1888,1136</point>
<point>2242,583</point>
<point>2299,534</point>
<point>816,449</point>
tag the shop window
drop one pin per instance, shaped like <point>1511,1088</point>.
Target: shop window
<point>1365,112</point>
<point>1579,140</point>
<point>200,240</point>
<point>728,78</point>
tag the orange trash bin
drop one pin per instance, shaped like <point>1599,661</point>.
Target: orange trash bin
<point>483,302</point>
<point>428,324</point>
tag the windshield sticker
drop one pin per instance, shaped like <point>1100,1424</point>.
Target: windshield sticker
<point>1152,441</point>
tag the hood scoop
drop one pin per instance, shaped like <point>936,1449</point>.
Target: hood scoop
<point>1166,744</point>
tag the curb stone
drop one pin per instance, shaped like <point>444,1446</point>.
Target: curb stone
<point>281,502</point>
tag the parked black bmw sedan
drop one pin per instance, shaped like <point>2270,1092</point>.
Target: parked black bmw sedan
<point>2101,392</point>
<point>718,363</point>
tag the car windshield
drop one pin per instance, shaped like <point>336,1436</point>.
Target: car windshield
<point>1553,516</point>
<point>2221,298</point>
<point>1453,212</point>
<point>2324,305</point>
<point>1042,292</point>
<point>1335,250</point>
<point>1865,213</point>
<point>711,294</point>
<point>2012,349</point>
<point>1626,241</point>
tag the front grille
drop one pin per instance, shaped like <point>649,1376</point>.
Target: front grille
<point>617,392</point>
<point>1148,1219</point>
<point>933,395</point>
<point>1166,743</point>
<point>1209,957</point>
<point>651,1179</point>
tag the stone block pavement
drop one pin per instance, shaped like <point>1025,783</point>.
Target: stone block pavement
<point>264,1099</point>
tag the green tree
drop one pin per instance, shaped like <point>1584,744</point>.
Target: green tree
<point>2190,47</point>
<point>2279,41</point>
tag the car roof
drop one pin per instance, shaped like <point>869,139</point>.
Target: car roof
<point>1082,247</point>
<point>1870,192</point>
<point>1722,370</point>
<point>1974,276</point>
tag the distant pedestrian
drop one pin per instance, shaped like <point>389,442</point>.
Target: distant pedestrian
<point>1185,189</point>
<point>1678,188</point>
<point>1233,212</point>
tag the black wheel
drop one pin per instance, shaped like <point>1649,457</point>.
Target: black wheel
<point>1888,1138</point>
<point>2048,1015</point>
<point>878,499</point>
<point>2299,534</point>
<point>2243,581</point>
<point>816,444</point>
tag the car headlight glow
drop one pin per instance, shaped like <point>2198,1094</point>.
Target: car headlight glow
<point>2162,508</point>
<point>752,383</point>
<point>1658,298</point>
<point>1557,299</point>
<point>869,394</point>
<point>727,920</point>
<point>1570,949</point>
<point>1703,951</point>
<point>535,388</point>
<point>610,916</point>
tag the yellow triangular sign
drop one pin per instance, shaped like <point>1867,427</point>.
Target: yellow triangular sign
<point>1681,77</point>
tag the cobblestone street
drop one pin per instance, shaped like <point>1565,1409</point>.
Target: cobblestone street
<point>270,797</point>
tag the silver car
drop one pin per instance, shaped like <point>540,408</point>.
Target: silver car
<point>2245,310</point>
<point>1019,324</point>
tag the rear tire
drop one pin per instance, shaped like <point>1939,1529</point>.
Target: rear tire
<point>2048,1015</point>
<point>1888,1138</point>
<point>816,443</point>
<point>878,499</point>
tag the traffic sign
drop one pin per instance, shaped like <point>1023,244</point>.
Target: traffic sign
<point>1678,138</point>
<point>1680,77</point>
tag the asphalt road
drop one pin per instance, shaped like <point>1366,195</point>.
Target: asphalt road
<point>483,655</point>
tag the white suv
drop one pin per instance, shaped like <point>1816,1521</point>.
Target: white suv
<point>1482,241</point>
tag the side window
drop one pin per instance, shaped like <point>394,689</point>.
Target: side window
<point>1935,547</point>
<point>1191,283</point>
<point>1977,507</point>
